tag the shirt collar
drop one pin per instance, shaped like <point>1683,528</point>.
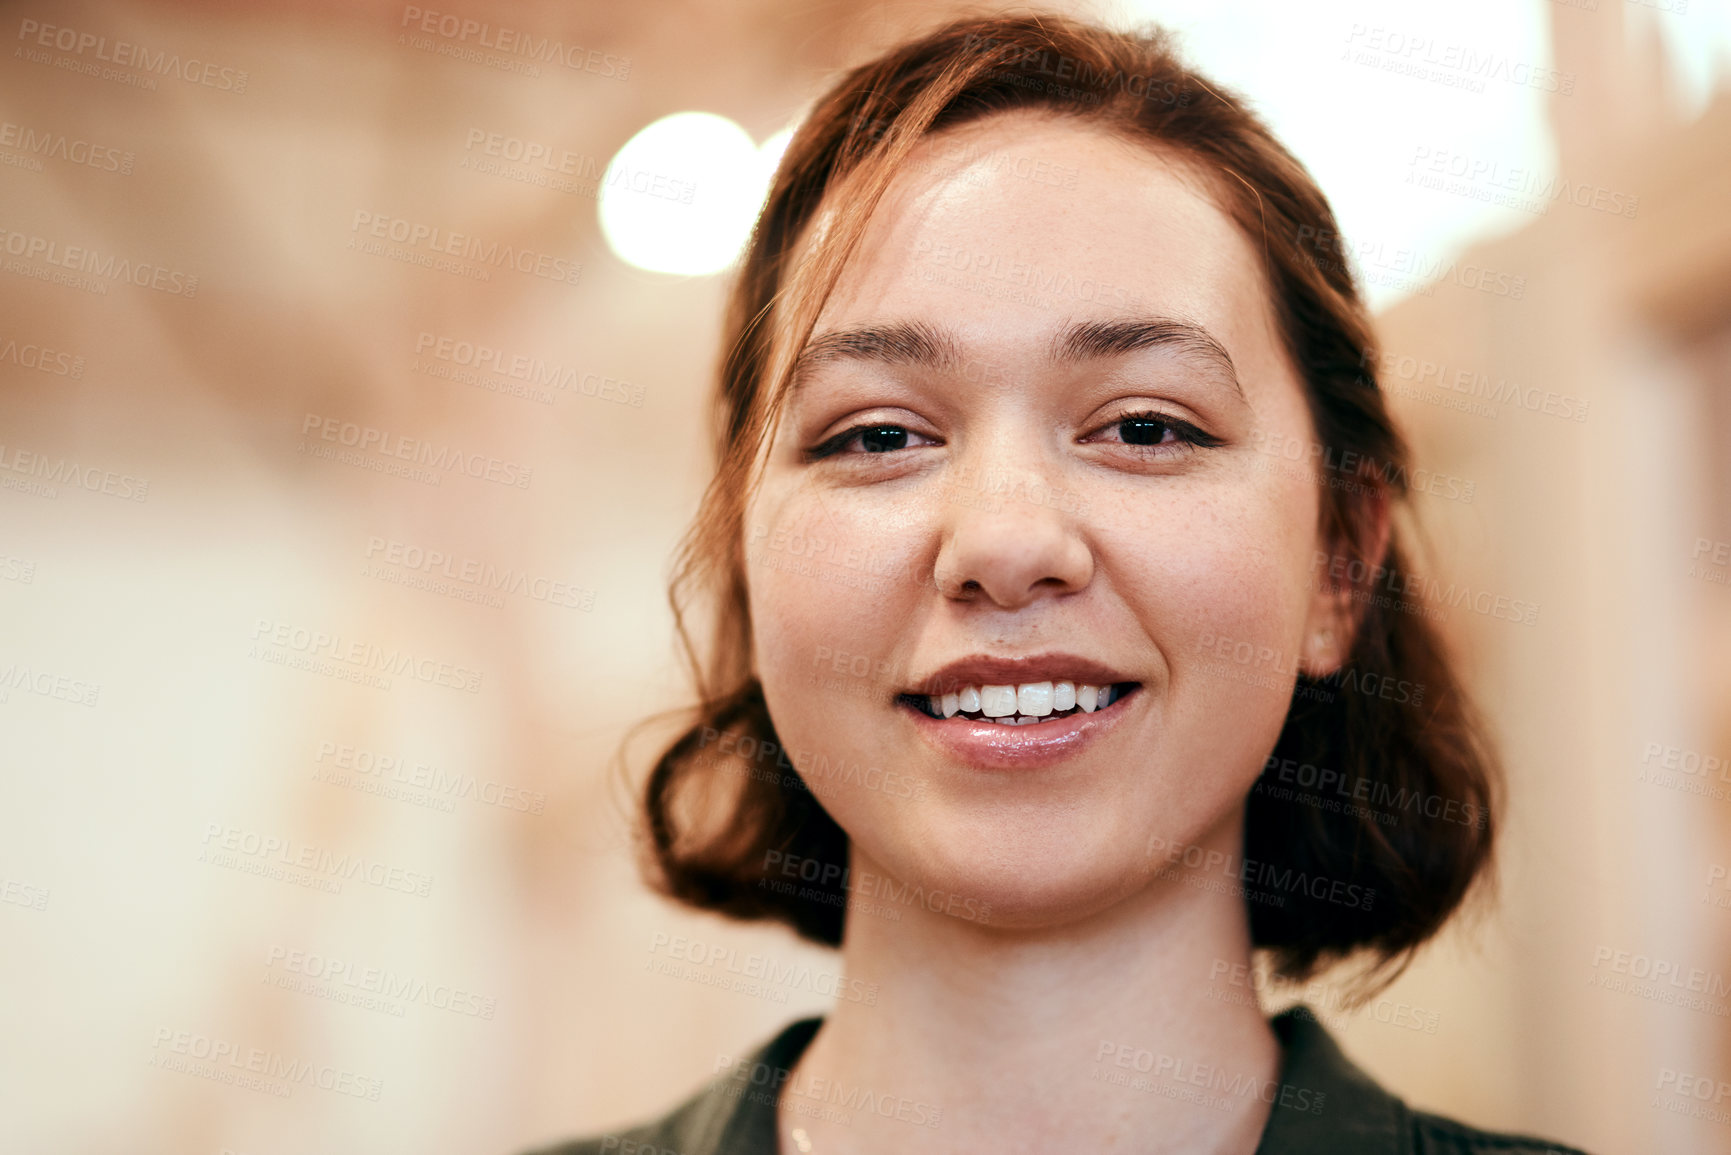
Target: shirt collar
<point>1324,1104</point>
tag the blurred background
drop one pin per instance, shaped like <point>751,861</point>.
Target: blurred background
<point>354,361</point>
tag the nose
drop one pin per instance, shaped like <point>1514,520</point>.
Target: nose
<point>1010,538</point>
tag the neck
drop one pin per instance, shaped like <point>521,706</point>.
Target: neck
<point>1082,1036</point>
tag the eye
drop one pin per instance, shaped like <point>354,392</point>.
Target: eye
<point>878,437</point>
<point>1150,430</point>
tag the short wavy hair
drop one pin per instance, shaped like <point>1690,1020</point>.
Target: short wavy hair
<point>1418,754</point>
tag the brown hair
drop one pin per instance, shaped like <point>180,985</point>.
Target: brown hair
<point>722,799</point>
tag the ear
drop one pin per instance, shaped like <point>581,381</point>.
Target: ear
<point>1351,558</point>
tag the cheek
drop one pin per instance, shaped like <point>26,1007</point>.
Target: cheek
<point>834,598</point>
<point>830,592</point>
<point>1219,571</point>
<point>1222,592</point>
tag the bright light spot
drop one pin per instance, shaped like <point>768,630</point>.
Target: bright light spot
<point>1368,94</point>
<point>770,155</point>
<point>682,195</point>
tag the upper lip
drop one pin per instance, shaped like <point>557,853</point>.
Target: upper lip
<point>987,670</point>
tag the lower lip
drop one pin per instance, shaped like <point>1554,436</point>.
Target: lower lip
<point>995,746</point>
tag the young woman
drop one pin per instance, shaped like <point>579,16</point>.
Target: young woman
<point>1055,493</point>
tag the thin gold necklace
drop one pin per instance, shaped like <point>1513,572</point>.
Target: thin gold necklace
<point>802,1140</point>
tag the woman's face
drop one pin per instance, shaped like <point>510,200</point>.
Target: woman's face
<point>1027,463</point>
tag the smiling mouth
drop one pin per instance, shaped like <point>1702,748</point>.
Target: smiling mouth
<point>1028,704</point>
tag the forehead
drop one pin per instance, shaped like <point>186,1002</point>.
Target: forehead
<point>1009,229</point>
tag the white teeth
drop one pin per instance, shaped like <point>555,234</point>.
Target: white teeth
<point>1021,705</point>
<point>1034,699</point>
<point>997,701</point>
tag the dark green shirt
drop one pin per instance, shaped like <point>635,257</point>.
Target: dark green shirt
<point>1324,1106</point>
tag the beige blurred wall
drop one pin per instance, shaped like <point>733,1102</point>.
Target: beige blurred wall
<point>480,797</point>
<point>1589,408</point>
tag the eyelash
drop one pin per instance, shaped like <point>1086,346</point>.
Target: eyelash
<point>1189,436</point>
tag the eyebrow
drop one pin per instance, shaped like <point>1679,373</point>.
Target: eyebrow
<point>1086,340</point>
<point>906,343</point>
<point>919,343</point>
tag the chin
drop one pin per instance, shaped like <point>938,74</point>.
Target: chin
<point>1016,878</point>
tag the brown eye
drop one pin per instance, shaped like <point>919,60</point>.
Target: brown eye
<point>1143,430</point>
<point>872,439</point>
<point>1156,430</point>
<point>883,438</point>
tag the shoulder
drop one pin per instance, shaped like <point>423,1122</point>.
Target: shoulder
<point>686,1130</point>
<point>1437,1135</point>
<point>1341,1110</point>
<point>733,1114</point>
<point>672,1134</point>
